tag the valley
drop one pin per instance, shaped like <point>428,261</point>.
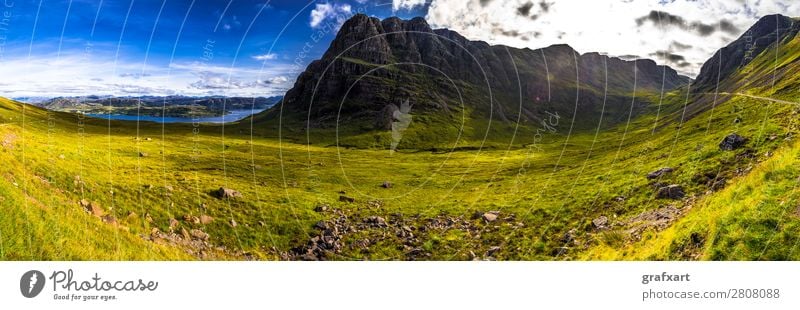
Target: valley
<point>600,170</point>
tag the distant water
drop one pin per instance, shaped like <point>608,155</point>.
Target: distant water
<point>232,116</point>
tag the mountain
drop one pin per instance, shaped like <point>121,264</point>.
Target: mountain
<point>769,33</point>
<point>213,102</point>
<point>156,105</point>
<point>374,66</point>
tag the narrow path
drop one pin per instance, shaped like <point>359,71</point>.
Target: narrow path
<point>762,98</point>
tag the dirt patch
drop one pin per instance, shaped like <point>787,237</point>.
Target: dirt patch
<point>658,219</point>
<point>8,140</point>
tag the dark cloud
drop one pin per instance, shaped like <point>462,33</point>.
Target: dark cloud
<point>545,6</point>
<point>661,18</point>
<point>684,64</point>
<point>673,58</point>
<point>485,2</point>
<point>680,46</point>
<point>702,29</point>
<point>728,27</point>
<point>525,9</point>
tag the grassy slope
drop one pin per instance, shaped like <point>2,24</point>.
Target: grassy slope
<point>758,216</point>
<point>555,193</point>
<point>553,186</point>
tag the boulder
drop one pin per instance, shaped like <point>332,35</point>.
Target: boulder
<point>95,209</point>
<point>199,234</point>
<point>109,219</point>
<point>173,223</point>
<point>321,208</point>
<point>205,219</point>
<point>660,172</point>
<point>386,184</point>
<point>321,225</point>
<point>344,198</point>
<point>732,142</point>
<point>376,221</point>
<point>600,222</point>
<point>489,216</point>
<point>492,250</point>
<point>191,219</point>
<point>143,154</point>
<point>673,191</point>
<point>223,193</point>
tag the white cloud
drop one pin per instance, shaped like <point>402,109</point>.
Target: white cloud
<point>609,26</point>
<point>269,56</point>
<point>73,74</point>
<point>325,11</point>
<point>407,4</point>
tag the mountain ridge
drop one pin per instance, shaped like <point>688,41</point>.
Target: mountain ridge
<point>373,65</point>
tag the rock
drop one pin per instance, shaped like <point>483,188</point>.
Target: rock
<point>148,186</point>
<point>143,154</point>
<point>321,208</point>
<point>185,234</point>
<point>376,221</point>
<point>191,219</point>
<point>233,223</point>
<point>658,173</point>
<point>132,215</point>
<point>173,223</point>
<point>386,184</point>
<point>673,191</point>
<point>205,219</point>
<point>223,193</point>
<point>732,142</point>
<point>199,234</point>
<point>84,203</point>
<point>489,217</point>
<point>321,225</point>
<point>348,199</point>
<point>600,222</point>
<point>109,219</point>
<point>492,251</point>
<point>95,209</point>
<point>148,139</point>
<point>61,156</point>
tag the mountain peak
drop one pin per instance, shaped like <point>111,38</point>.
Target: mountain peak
<point>373,65</point>
<point>767,31</point>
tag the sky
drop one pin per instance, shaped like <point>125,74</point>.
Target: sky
<point>258,47</point>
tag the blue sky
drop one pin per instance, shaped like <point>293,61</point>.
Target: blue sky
<point>254,47</point>
<point>205,47</point>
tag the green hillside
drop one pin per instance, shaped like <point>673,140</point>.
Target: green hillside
<point>559,188</point>
<point>547,194</point>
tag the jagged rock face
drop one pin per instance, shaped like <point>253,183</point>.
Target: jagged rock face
<point>373,64</point>
<point>769,30</point>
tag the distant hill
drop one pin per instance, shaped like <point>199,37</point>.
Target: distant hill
<point>154,105</point>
